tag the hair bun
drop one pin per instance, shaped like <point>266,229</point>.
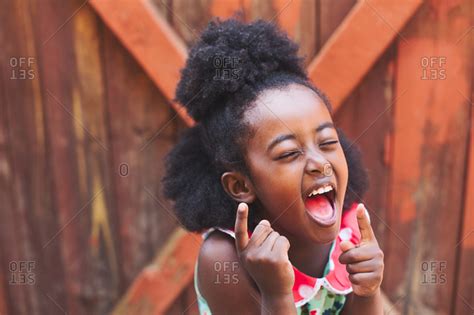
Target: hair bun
<point>229,56</point>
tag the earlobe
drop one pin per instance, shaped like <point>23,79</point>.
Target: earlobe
<point>238,187</point>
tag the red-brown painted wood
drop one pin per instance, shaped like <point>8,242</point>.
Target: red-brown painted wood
<point>352,49</point>
<point>50,166</point>
<point>160,282</point>
<point>463,295</point>
<point>150,40</point>
<point>430,143</point>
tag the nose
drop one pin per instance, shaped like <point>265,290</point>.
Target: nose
<point>317,164</point>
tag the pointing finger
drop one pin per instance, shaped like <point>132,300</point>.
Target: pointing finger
<point>366,232</point>
<point>241,236</point>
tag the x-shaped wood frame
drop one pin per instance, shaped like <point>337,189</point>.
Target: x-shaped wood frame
<point>345,59</point>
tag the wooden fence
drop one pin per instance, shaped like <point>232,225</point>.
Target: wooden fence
<point>86,119</point>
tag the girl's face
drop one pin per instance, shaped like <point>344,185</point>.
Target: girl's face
<point>294,150</point>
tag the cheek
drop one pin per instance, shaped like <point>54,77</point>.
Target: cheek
<point>276,185</point>
<point>279,182</point>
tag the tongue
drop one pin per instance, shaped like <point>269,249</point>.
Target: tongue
<point>319,206</point>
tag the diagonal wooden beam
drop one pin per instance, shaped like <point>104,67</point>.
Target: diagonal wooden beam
<point>151,41</point>
<point>356,45</point>
<point>340,66</point>
<point>158,285</point>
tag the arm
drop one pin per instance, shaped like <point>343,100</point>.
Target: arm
<point>283,305</point>
<point>363,305</point>
<point>222,282</point>
<point>364,263</point>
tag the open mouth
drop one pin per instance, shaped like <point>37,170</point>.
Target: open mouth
<point>320,204</point>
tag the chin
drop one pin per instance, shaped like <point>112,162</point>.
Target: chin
<point>325,236</point>
<point>318,234</point>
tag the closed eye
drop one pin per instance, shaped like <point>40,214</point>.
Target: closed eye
<point>289,154</point>
<point>329,143</point>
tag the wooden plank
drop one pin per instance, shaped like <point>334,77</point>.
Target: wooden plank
<point>287,13</point>
<point>366,118</point>
<point>430,133</point>
<point>351,51</point>
<point>158,284</point>
<point>141,135</point>
<point>163,7</point>
<point>58,128</point>
<point>330,16</point>
<point>149,38</point>
<point>225,9</point>
<point>25,198</point>
<point>260,10</point>
<point>75,126</point>
<point>463,295</point>
<point>187,23</point>
<point>92,149</point>
<point>4,303</point>
<point>307,32</point>
<point>299,20</point>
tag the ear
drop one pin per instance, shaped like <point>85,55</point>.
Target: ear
<point>238,187</point>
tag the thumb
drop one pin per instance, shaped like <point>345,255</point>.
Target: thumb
<point>346,245</point>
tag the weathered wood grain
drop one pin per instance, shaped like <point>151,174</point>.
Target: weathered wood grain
<point>351,51</point>
<point>150,40</point>
<point>463,295</point>
<point>82,145</point>
<point>72,91</point>
<point>26,199</point>
<point>366,118</point>
<point>164,278</point>
<point>142,128</point>
<point>431,120</point>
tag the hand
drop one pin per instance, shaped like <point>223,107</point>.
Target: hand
<point>364,262</point>
<point>264,255</point>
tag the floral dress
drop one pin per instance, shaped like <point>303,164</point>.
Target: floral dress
<point>314,296</point>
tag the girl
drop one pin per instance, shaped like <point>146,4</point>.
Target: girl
<point>272,182</point>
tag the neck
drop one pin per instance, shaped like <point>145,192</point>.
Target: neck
<point>308,257</point>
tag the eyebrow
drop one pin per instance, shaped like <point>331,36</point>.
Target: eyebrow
<point>325,125</point>
<point>282,138</point>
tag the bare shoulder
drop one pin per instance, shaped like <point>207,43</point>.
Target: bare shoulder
<point>223,282</point>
